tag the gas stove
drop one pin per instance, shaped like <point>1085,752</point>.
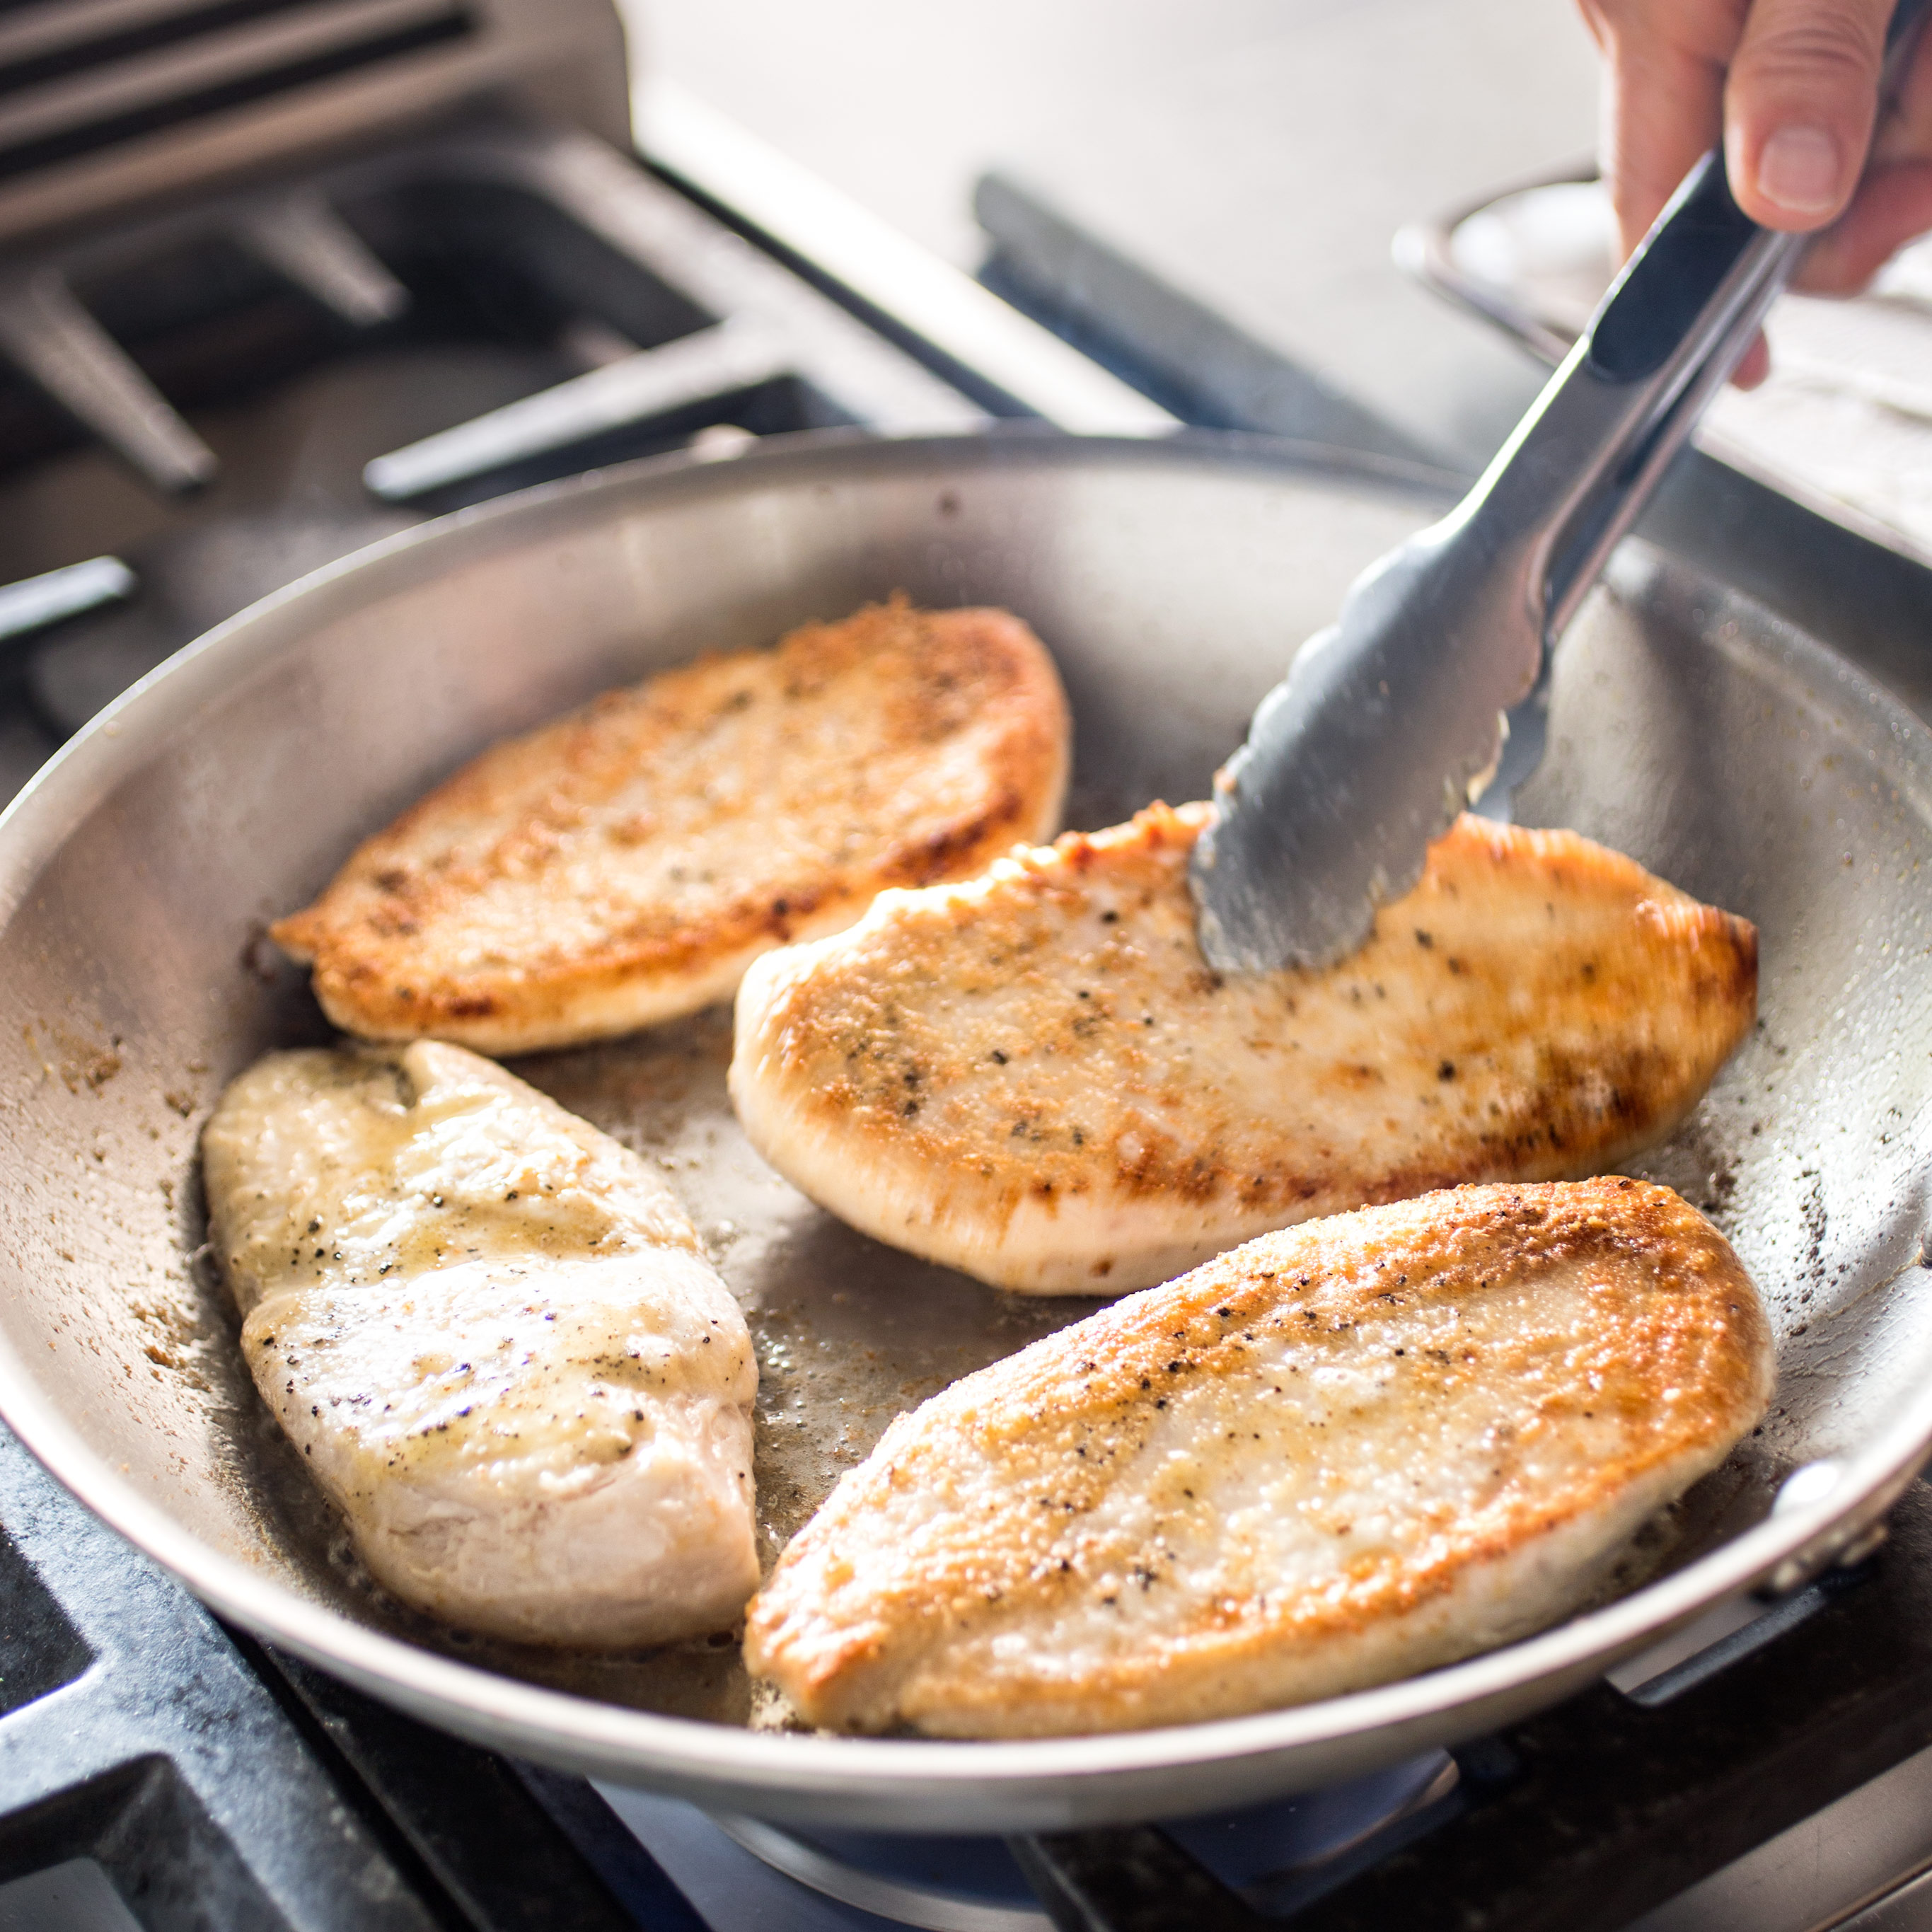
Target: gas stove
<point>277,280</point>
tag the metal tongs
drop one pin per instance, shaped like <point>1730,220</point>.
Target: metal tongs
<point>1390,722</point>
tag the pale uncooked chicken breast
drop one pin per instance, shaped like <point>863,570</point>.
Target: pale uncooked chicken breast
<point>1035,1077</point>
<point>492,1333</point>
<point>1346,1452</point>
<point>623,865</point>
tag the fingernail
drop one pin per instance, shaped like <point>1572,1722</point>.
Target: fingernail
<point>1799,169</point>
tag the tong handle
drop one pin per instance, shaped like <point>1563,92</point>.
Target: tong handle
<point>1670,331</point>
<point>1655,304</point>
<point>1673,327</point>
<point>1389,723</point>
<point>1698,241</point>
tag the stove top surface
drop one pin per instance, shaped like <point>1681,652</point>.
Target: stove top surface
<point>521,305</point>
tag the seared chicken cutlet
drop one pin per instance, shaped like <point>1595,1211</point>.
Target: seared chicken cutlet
<point>1346,1452</point>
<point>1035,1077</point>
<point>493,1335</point>
<point>624,865</point>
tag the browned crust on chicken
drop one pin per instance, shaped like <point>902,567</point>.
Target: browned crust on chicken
<point>1346,1452</point>
<point>1035,1077</point>
<point>623,864</point>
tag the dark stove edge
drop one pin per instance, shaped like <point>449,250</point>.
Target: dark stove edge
<point>277,1675</point>
<point>610,1848</point>
<point>165,1761</point>
<point>1135,1878</point>
<point>486,1840</point>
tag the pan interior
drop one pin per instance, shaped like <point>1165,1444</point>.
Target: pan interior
<point>1688,729</point>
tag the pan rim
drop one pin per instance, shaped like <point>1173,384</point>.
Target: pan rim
<point>788,1772</point>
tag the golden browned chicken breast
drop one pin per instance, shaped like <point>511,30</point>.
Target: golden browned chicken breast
<point>1034,1076</point>
<point>494,1337</point>
<point>623,865</point>
<point>1343,1453</point>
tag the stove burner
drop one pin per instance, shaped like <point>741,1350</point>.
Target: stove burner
<point>1268,1854</point>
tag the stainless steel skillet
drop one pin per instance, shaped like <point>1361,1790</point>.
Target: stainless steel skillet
<point>1688,728</point>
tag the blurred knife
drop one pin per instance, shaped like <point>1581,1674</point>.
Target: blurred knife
<point>1390,722</point>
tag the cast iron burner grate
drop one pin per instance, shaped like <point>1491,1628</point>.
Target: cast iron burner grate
<point>226,398</point>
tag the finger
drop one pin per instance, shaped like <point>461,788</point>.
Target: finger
<point>1799,106</point>
<point>1664,87</point>
<point>1893,204</point>
<point>1754,365</point>
<point>1905,116</point>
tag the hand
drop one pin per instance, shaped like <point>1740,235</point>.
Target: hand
<point>1791,87</point>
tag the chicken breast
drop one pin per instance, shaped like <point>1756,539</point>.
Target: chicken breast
<point>1343,1453</point>
<point>623,865</point>
<point>1034,1076</point>
<point>492,1332</point>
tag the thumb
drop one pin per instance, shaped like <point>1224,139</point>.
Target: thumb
<point>1799,104</point>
